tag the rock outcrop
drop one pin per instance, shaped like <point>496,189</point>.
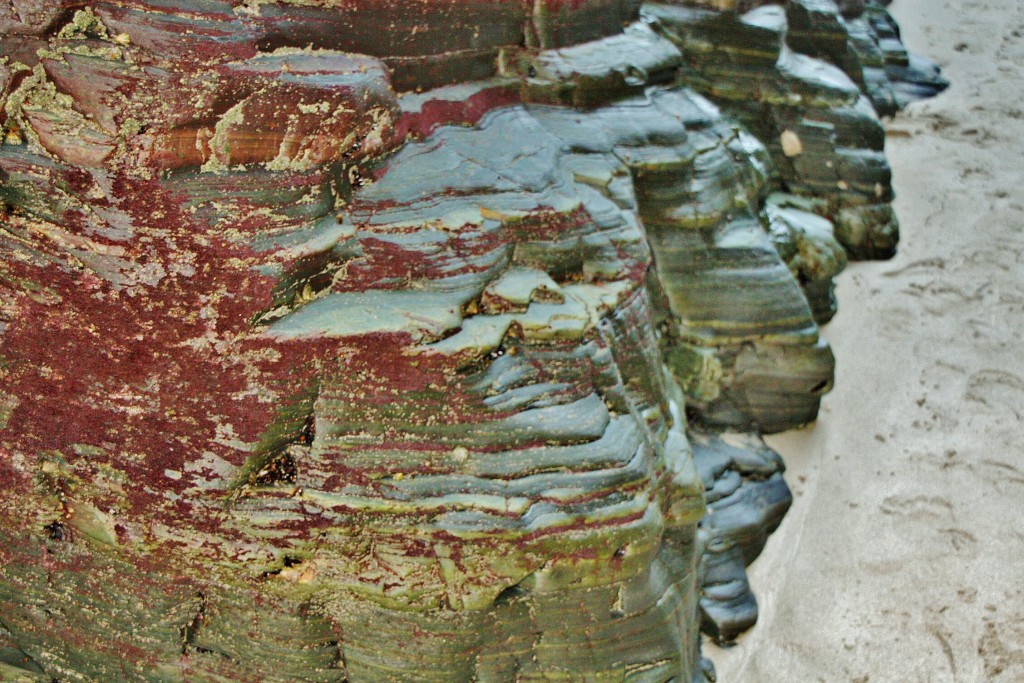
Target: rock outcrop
<point>366,340</point>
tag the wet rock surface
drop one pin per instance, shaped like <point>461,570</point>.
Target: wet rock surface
<point>372,341</point>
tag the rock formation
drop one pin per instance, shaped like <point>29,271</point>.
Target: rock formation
<point>369,340</point>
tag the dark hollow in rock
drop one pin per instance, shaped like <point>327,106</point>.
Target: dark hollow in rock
<point>367,340</point>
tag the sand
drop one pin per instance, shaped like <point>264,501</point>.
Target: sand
<point>902,558</point>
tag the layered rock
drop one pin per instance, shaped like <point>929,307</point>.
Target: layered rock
<point>359,341</point>
<point>747,498</point>
<point>810,81</point>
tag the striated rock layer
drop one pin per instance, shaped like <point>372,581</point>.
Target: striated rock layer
<point>366,340</point>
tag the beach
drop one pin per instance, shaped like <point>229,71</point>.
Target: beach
<point>902,557</point>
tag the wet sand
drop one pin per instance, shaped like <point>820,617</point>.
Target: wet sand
<point>902,558</point>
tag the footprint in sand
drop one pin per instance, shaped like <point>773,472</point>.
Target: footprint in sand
<point>919,508</point>
<point>1001,648</point>
<point>961,540</point>
<point>996,389</point>
<point>1002,472</point>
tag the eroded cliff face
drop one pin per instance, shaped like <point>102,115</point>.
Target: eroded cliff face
<point>360,340</point>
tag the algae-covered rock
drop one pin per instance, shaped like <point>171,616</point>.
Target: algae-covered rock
<point>810,82</point>
<point>363,341</point>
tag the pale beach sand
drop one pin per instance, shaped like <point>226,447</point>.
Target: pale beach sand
<point>902,558</point>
